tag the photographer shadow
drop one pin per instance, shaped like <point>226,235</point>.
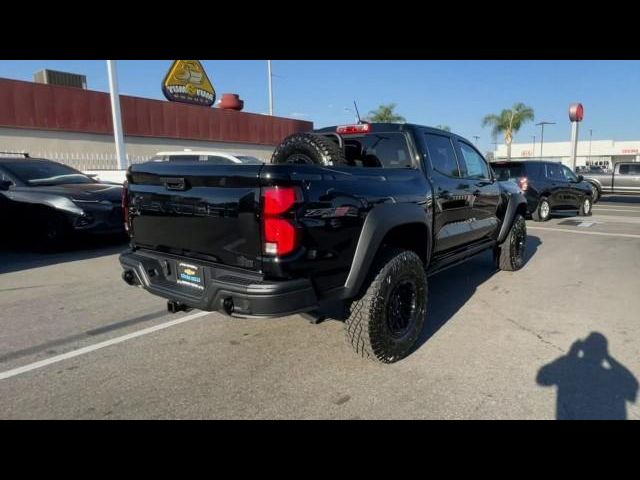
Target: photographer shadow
<point>591,384</point>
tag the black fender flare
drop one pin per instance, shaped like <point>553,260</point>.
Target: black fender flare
<point>515,200</point>
<point>596,183</point>
<point>378,223</point>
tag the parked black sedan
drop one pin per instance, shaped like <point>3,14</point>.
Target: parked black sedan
<point>47,202</point>
<point>547,186</point>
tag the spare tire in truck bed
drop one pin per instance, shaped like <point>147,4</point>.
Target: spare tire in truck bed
<point>307,148</point>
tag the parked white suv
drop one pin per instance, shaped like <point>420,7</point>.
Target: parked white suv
<point>209,156</point>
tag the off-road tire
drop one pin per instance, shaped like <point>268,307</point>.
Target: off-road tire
<point>307,148</point>
<point>538,214</point>
<point>510,255</point>
<point>586,207</point>
<point>368,327</point>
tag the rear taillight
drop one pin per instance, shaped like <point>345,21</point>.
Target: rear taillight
<point>523,183</point>
<point>125,204</point>
<point>280,235</point>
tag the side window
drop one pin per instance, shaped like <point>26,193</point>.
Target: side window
<point>634,169</point>
<point>553,171</point>
<point>183,158</point>
<point>442,155</point>
<point>569,175</point>
<point>215,160</point>
<point>386,150</point>
<point>624,169</point>
<point>474,166</point>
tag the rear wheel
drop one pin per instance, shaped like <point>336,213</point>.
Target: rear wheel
<point>543,212</point>
<point>307,148</point>
<point>385,323</point>
<point>509,255</point>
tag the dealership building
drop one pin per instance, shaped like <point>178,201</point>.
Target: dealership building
<point>74,126</point>
<point>604,153</point>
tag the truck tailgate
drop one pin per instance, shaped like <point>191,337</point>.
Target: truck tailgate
<point>197,210</point>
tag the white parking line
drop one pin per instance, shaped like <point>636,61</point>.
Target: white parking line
<point>631,208</point>
<point>595,209</point>
<point>616,218</point>
<point>582,232</point>
<point>92,348</point>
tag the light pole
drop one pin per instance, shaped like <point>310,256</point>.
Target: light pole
<point>542,124</point>
<point>533,152</point>
<point>495,149</point>
<point>115,114</point>
<point>590,138</point>
<point>270,87</point>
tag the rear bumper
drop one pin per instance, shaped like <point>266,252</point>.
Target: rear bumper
<point>249,294</point>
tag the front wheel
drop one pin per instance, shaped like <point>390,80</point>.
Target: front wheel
<point>585,207</point>
<point>384,324</point>
<point>52,232</point>
<point>509,255</point>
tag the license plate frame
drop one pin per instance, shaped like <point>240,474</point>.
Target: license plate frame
<point>190,275</point>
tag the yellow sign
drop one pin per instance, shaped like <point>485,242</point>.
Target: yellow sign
<point>187,82</point>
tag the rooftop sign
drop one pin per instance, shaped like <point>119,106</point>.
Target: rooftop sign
<point>187,82</point>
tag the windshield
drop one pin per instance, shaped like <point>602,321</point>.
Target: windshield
<point>41,173</point>
<point>506,171</point>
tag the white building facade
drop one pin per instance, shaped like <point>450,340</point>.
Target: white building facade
<point>605,153</point>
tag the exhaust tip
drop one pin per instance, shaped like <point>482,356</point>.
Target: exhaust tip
<point>129,277</point>
<point>227,305</point>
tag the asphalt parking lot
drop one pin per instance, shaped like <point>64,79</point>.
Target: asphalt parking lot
<point>559,339</point>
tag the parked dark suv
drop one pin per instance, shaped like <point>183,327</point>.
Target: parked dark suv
<point>547,186</point>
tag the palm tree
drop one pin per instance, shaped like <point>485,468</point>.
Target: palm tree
<point>446,128</point>
<point>508,122</point>
<point>385,114</point>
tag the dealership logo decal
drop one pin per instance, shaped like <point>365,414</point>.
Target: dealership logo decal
<point>187,82</point>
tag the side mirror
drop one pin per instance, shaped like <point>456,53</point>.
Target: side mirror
<point>580,178</point>
<point>5,184</point>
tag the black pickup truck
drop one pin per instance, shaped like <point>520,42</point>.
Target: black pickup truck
<point>357,214</point>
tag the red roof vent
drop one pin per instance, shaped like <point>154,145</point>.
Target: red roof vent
<point>231,101</point>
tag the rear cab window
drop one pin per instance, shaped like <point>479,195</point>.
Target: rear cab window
<point>378,150</point>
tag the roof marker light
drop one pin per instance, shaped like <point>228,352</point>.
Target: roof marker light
<point>359,128</point>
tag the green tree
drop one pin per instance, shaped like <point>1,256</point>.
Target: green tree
<point>508,123</point>
<point>385,114</point>
<point>446,128</point>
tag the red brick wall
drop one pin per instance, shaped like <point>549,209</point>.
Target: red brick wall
<point>49,107</point>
